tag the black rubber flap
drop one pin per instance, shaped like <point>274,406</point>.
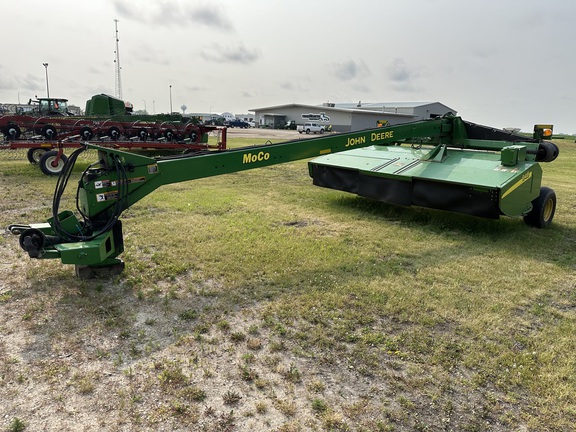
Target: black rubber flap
<point>418,192</point>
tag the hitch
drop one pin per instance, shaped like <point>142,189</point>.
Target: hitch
<point>444,163</point>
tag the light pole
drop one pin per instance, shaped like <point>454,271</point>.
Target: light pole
<point>145,110</point>
<point>170,98</point>
<point>47,88</point>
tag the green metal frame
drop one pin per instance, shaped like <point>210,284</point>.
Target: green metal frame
<point>437,152</point>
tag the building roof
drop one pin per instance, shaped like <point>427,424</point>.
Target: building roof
<point>350,109</point>
<point>382,106</point>
<point>291,105</point>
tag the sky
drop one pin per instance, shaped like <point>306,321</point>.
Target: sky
<point>501,63</point>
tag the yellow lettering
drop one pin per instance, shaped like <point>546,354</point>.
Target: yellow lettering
<point>355,141</point>
<point>258,157</point>
<point>379,136</point>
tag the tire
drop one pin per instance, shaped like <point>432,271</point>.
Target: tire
<point>194,136</point>
<point>114,133</point>
<point>169,134</point>
<point>35,154</point>
<point>86,133</point>
<point>142,134</point>
<point>543,209</point>
<point>307,131</point>
<point>47,160</point>
<point>547,152</point>
<point>49,132</point>
<point>12,132</point>
<point>321,131</point>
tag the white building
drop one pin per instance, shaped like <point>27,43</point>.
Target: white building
<point>346,117</point>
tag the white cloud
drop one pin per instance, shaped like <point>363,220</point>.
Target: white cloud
<point>230,54</point>
<point>350,69</point>
<point>174,13</point>
<point>225,54</point>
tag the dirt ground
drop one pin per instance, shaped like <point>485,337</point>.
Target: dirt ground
<point>276,134</point>
<point>100,356</point>
<point>266,133</point>
<point>92,356</point>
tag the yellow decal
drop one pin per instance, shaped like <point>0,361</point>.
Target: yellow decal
<point>355,141</point>
<point>379,136</point>
<point>257,157</point>
<point>525,177</point>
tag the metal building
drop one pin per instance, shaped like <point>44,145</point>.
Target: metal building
<point>346,117</point>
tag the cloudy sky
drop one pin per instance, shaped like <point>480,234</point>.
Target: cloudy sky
<point>503,63</point>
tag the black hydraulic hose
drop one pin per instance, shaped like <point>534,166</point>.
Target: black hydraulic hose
<point>122,194</point>
<point>59,191</point>
<point>84,217</point>
<point>121,200</point>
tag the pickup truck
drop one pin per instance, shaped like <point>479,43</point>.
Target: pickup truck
<point>237,123</point>
<point>310,128</point>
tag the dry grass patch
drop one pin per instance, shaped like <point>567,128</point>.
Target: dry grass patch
<point>256,301</point>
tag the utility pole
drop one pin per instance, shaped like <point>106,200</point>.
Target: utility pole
<point>118,79</point>
<point>170,98</point>
<point>47,88</point>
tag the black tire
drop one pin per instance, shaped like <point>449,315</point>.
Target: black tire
<point>49,132</point>
<point>321,131</point>
<point>35,154</point>
<point>12,132</point>
<point>86,133</point>
<point>47,160</point>
<point>547,152</point>
<point>307,131</point>
<point>543,209</point>
<point>143,135</point>
<point>169,134</point>
<point>114,133</point>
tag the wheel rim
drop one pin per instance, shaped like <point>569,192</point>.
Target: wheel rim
<point>113,133</point>
<point>548,210</point>
<point>52,167</point>
<point>87,134</point>
<point>37,154</point>
<point>13,133</point>
<point>50,133</point>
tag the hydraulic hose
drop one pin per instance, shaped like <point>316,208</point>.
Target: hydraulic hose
<point>87,226</point>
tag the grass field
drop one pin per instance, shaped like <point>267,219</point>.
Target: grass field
<point>256,301</point>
